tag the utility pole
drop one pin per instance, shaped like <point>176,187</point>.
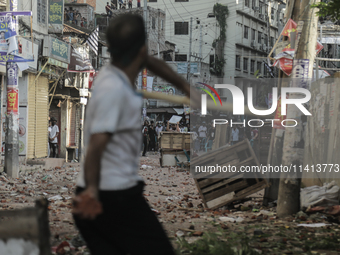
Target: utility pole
<point>289,190</point>
<point>200,60</point>
<point>145,16</point>
<point>12,117</point>
<point>276,143</point>
<point>145,71</point>
<point>189,61</point>
<point>81,152</point>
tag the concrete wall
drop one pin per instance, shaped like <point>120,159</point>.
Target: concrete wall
<point>322,143</point>
<point>24,5</point>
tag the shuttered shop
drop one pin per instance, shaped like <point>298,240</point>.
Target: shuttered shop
<point>37,117</point>
<point>73,125</point>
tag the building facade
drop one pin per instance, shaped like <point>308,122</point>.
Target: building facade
<point>252,27</point>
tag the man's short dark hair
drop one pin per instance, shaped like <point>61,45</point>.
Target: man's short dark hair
<point>125,36</point>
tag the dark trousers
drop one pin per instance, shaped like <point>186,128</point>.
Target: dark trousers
<point>145,144</point>
<point>138,4</point>
<point>53,150</point>
<point>130,5</point>
<point>152,143</point>
<point>126,226</point>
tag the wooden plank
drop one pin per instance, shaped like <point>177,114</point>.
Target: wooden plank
<point>206,182</point>
<point>226,190</point>
<point>221,183</point>
<point>262,184</point>
<point>222,201</point>
<point>218,202</point>
<point>201,194</point>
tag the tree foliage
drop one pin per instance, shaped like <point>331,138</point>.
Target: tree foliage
<point>221,13</point>
<point>328,9</point>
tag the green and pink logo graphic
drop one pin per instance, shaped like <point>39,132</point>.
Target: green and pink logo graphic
<point>209,93</point>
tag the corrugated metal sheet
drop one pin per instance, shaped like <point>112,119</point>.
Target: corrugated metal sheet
<point>37,117</point>
<point>41,126</point>
<point>31,116</point>
<point>72,135</point>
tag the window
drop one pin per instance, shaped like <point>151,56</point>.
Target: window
<point>181,0</point>
<point>153,23</point>
<point>266,39</point>
<point>41,11</point>
<point>211,60</point>
<point>252,66</point>
<point>253,34</point>
<point>265,71</point>
<point>167,56</point>
<point>259,37</point>
<point>238,62</point>
<point>271,41</point>
<point>246,3</point>
<point>272,14</point>
<point>162,24</point>
<point>180,57</point>
<point>245,64</point>
<point>259,67</point>
<point>181,28</point>
<point>261,7</point>
<point>246,32</point>
<point>152,1</point>
<point>253,4</point>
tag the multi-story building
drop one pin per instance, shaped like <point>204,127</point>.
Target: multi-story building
<point>252,27</point>
<point>98,5</point>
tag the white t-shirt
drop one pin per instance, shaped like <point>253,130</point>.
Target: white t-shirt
<point>159,130</point>
<point>115,108</point>
<point>53,132</point>
<point>202,131</point>
<point>234,134</point>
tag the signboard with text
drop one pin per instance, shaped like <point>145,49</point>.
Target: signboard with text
<point>55,16</point>
<point>59,50</point>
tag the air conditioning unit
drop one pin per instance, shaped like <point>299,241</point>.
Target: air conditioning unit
<point>261,16</point>
<point>176,49</point>
<point>255,8</point>
<point>257,14</point>
<point>253,44</point>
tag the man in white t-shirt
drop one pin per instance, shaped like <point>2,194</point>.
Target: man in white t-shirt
<point>109,208</point>
<point>159,129</point>
<point>54,132</point>
<point>202,130</point>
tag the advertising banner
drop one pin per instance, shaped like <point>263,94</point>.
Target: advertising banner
<point>79,63</point>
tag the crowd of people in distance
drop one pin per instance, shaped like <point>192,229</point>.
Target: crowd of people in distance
<point>151,133</point>
<point>122,5</point>
<point>74,17</point>
<point>204,135</point>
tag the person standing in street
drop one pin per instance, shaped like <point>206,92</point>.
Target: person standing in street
<point>109,209</point>
<point>130,4</point>
<point>54,138</point>
<point>145,131</point>
<point>138,3</point>
<point>234,135</point>
<point>254,141</point>
<point>152,138</point>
